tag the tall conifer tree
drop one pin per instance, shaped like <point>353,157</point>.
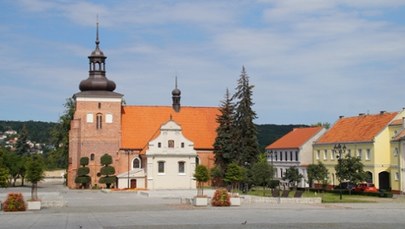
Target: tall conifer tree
<point>247,146</point>
<point>224,142</point>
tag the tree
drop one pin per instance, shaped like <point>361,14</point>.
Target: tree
<point>82,173</point>
<point>317,172</point>
<point>3,177</point>
<point>107,171</point>
<point>350,169</point>
<point>224,142</point>
<point>201,175</point>
<point>12,162</point>
<point>234,174</point>
<point>247,146</point>
<point>21,146</point>
<point>35,173</point>
<point>293,176</point>
<point>60,135</point>
<point>262,173</point>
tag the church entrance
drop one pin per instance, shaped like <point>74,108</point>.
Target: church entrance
<point>133,183</point>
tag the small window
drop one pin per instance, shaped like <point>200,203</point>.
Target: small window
<point>92,157</point>
<point>296,156</point>
<point>136,164</point>
<point>159,145</point>
<point>109,118</point>
<point>181,167</point>
<point>170,143</point>
<point>318,154</point>
<point>89,118</point>
<point>349,152</point>
<point>291,155</point>
<point>281,156</point>
<point>161,167</point>
<point>332,155</point>
<point>396,176</point>
<point>99,121</point>
<point>275,156</point>
<point>396,151</point>
<point>325,154</point>
<point>359,154</point>
<point>99,105</point>
<point>182,145</point>
<point>197,160</point>
<point>368,154</point>
<point>286,156</point>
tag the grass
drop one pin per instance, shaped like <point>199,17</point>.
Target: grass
<point>327,197</point>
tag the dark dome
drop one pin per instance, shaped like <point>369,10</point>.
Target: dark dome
<point>176,92</point>
<point>97,84</point>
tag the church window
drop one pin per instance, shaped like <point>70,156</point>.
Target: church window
<point>92,157</point>
<point>181,167</point>
<point>161,167</point>
<point>159,145</point>
<point>136,164</point>
<point>108,118</point>
<point>99,120</point>
<point>99,105</point>
<point>170,143</point>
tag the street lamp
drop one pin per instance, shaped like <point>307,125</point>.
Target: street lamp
<point>127,152</point>
<point>340,149</point>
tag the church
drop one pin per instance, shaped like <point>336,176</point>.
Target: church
<point>152,147</point>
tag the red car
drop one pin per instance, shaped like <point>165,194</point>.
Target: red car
<point>365,187</point>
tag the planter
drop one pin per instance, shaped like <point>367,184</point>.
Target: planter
<point>200,201</point>
<point>235,201</point>
<point>33,205</point>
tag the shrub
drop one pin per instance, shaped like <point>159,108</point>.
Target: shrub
<point>14,202</point>
<point>221,198</point>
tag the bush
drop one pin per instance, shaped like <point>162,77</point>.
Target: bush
<point>221,198</point>
<point>14,202</point>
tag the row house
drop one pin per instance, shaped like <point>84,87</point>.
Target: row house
<point>377,139</point>
<point>293,149</point>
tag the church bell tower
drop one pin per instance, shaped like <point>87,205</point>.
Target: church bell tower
<point>96,125</point>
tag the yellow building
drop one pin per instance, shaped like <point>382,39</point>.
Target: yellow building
<point>373,138</point>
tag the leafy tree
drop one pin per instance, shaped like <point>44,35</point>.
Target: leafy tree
<point>293,176</point>
<point>107,171</point>
<point>317,172</point>
<point>201,175</point>
<point>224,142</point>
<point>82,173</point>
<point>247,147</point>
<point>3,177</point>
<point>350,169</point>
<point>35,173</point>
<point>22,148</point>
<point>12,162</point>
<point>22,167</point>
<point>60,134</point>
<point>262,173</point>
<point>217,176</point>
<point>234,175</point>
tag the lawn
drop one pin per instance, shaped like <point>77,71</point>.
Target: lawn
<point>327,197</point>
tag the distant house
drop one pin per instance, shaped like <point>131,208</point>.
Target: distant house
<point>294,149</point>
<point>375,138</point>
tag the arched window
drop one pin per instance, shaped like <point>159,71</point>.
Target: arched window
<point>197,160</point>
<point>92,157</point>
<point>170,143</point>
<point>136,163</point>
<point>99,121</point>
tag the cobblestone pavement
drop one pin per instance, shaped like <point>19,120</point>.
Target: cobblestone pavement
<point>125,210</point>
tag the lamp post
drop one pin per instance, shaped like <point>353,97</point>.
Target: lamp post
<point>127,152</point>
<point>340,149</point>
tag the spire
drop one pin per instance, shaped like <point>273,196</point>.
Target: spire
<point>176,97</point>
<point>97,80</point>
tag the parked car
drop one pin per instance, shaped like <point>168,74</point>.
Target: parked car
<point>365,187</point>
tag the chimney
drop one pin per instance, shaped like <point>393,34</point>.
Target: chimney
<point>342,116</point>
<point>383,112</point>
<point>361,114</point>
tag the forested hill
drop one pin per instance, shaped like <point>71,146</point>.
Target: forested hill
<point>38,131</point>
<point>269,133</point>
<point>41,131</point>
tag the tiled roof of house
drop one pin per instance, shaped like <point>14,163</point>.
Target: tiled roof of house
<point>141,124</point>
<point>295,138</point>
<point>362,128</point>
<point>400,136</point>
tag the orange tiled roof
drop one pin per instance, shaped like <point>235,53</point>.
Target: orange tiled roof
<point>400,135</point>
<point>295,138</point>
<point>363,128</point>
<point>140,124</point>
<point>396,122</point>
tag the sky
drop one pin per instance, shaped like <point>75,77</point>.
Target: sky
<point>310,61</point>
